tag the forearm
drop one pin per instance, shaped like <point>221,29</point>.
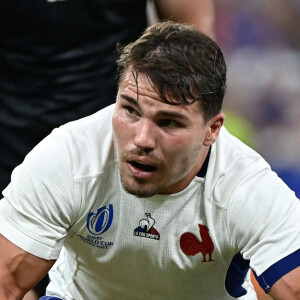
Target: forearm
<point>283,294</point>
<point>8,287</point>
<point>20,271</point>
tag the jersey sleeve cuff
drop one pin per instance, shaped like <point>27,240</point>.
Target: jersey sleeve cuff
<point>26,242</point>
<point>50,298</point>
<point>277,270</point>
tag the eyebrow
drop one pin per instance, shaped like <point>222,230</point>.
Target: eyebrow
<point>130,99</point>
<point>171,114</point>
<point>161,113</point>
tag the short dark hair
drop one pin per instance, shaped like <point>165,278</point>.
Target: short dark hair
<point>182,64</point>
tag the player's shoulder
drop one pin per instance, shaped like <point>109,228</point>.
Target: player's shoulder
<point>90,125</point>
<point>89,141</point>
<point>238,149</point>
<point>231,163</point>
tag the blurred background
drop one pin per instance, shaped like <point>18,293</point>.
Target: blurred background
<point>261,43</point>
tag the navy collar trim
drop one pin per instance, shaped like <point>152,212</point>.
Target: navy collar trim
<point>203,169</point>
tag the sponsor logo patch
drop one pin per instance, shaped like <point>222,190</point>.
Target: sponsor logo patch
<point>146,229</point>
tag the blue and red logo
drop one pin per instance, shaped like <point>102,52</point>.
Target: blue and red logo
<point>146,228</point>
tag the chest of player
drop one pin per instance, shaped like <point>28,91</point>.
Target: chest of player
<point>153,246</point>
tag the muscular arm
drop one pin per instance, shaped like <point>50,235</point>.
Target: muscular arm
<point>288,287</point>
<point>19,270</point>
<point>199,13</point>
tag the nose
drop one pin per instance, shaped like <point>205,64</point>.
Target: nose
<point>145,135</point>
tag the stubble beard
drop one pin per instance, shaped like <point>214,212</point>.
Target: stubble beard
<point>142,192</point>
<point>153,189</point>
<point>145,190</point>
<point>149,190</point>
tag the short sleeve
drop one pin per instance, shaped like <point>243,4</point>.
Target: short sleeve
<point>39,206</point>
<point>263,217</point>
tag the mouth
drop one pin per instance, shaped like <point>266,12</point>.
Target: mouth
<point>142,167</point>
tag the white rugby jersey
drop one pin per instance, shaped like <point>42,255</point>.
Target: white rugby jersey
<point>195,244</point>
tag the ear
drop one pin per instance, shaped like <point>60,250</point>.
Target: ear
<point>213,129</point>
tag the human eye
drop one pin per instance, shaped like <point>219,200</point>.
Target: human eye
<point>130,110</point>
<point>169,123</point>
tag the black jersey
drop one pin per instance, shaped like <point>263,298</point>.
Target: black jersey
<point>57,63</point>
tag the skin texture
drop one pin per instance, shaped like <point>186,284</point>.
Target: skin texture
<point>31,295</point>
<point>171,140</point>
<point>288,287</point>
<point>19,270</point>
<point>200,13</point>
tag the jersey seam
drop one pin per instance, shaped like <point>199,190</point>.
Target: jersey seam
<point>88,177</point>
<point>229,198</point>
<point>74,181</point>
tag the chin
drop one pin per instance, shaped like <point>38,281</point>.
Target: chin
<point>139,191</point>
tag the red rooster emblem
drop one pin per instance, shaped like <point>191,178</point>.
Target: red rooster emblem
<point>190,244</point>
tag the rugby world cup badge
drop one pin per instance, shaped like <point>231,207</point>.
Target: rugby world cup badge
<point>99,222</point>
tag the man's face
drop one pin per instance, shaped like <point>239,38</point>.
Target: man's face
<point>159,147</point>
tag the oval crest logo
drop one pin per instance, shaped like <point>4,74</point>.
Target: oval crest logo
<point>100,221</point>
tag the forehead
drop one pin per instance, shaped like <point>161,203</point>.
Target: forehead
<point>140,85</point>
<point>141,88</point>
